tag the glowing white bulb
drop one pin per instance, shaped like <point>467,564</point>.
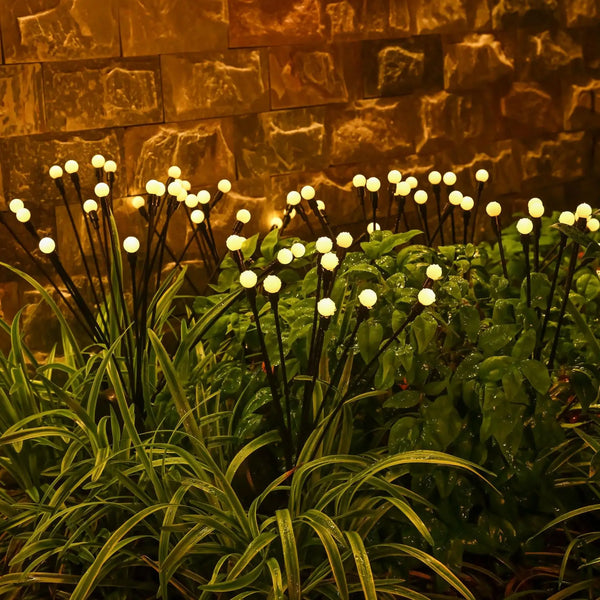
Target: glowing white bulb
<point>324,244</point>
<point>371,228</point>
<point>191,200</point>
<point>243,216</point>
<point>449,178</point>
<point>151,186</point>
<point>434,272</point>
<point>493,209</point>
<point>412,181</point>
<point>420,196</point>
<point>186,185</point>
<point>467,203</point>
<point>137,202</point>
<point>434,178</point>
<point>160,188</point>
<point>455,197</point>
<point>55,172</point>
<point>368,298</point>
<point>298,250</point>
<point>566,218</point>
<point>98,161</point>
<point>197,216</point>
<point>403,188</point>
<point>329,261</point>
<point>203,197</point>
<point>482,175</point>
<point>224,186</point>
<point>16,205</point>
<point>101,190</point>
<point>344,239</point>
<point>373,184</point>
<point>175,188</point>
<point>593,224</point>
<point>524,226</point>
<point>308,192</point>
<point>71,166</point>
<point>535,207</point>
<point>234,242</point>
<point>320,205</point>
<point>47,245</point>
<point>276,223</point>
<point>426,297</point>
<point>326,307</point>
<point>110,166</point>
<point>23,215</point>
<point>583,211</point>
<point>394,176</point>
<point>131,244</point>
<point>272,284</point>
<point>248,279</point>
<point>174,172</point>
<point>359,181</point>
<point>91,206</point>
<point>294,198</point>
<point>285,256</point>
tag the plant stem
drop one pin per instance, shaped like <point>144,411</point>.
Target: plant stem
<point>498,231</point>
<point>480,187</point>
<point>525,244</point>
<point>437,194</point>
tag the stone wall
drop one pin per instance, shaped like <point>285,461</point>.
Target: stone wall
<point>277,93</point>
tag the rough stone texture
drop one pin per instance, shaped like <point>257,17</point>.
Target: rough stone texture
<point>202,150</point>
<point>150,27</point>
<point>303,76</point>
<point>443,16</point>
<point>281,141</point>
<point>476,61</point>
<point>21,101</point>
<point>100,94</point>
<point>46,30</point>
<point>529,109</point>
<point>200,86</point>
<point>580,13</point>
<point>526,13</point>
<point>582,106</point>
<point>549,53</point>
<point>274,22</point>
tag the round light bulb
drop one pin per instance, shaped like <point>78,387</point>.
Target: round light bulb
<point>373,184</point>
<point>308,192</point>
<point>285,256</point>
<point>182,196</point>
<point>294,198</point>
<point>98,161</point>
<point>426,297</point>
<point>137,202</point>
<point>47,245</point>
<point>493,209</point>
<point>482,175</point>
<point>535,208</point>
<point>23,215</point>
<point>567,218</point>
<point>160,188</point>
<point>324,244</point>
<point>110,166</point>
<point>90,206</point>
<point>272,284</point>
<point>298,250</point>
<point>329,261</point>
<point>434,272</point>
<point>243,216</point>
<point>101,190</point>
<point>191,200</point>
<point>16,205</point>
<point>151,186</point>
<point>197,216</point>
<point>71,166</point>
<point>344,239</point>
<point>186,185</point>
<point>449,178</point>
<point>413,182</point>
<point>248,279</point>
<point>224,186</point>
<point>394,176</point>
<point>403,188</point>
<point>175,188</point>
<point>434,178</point>
<point>174,172</point>
<point>320,205</point>
<point>203,197</point>
<point>276,223</point>
<point>583,211</point>
<point>371,228</point>
<point>234,242</point>
<point>55,172</point>
<point>359,181</point>
<point>420,196</point>
<point>593,224</point>
<point>326,307</point>
<point>131,244</point>
<point>524,226</point>
<point>368,298</point>
<point>455,197</point>
<point>467,203</point>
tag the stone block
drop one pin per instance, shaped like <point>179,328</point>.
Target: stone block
<point>528,109</point>
<point>582,13</point>
<point>591,51</point>
<point>48,30</point>
<point>476,62</point>
<point>99,94</point>
<point>21,100</point>
<point>540,14</point>
<point>202,149</point>
<point>443,16</point>
<point>200,86</point>
<point>274,22</point>
<point>281,141</point>
<point>582,106</point>
<point>402,66</point>
<point>304,76</point>
<point>373,128</point>
<point>548,54</point>
<point>150,27</point>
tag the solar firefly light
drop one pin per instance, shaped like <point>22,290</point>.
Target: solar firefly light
<point>359,182</point>
<point>435,179</point>
<point>525,227</point>
<point>535,208</point>
<point>493,210</point>
<point>394,177</point>
<point>481,176</point>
